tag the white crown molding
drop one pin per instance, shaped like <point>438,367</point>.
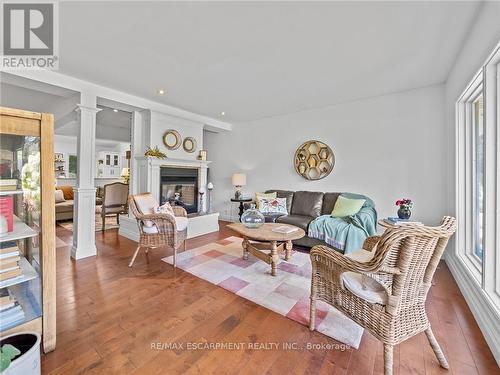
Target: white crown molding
<point>78,85</point>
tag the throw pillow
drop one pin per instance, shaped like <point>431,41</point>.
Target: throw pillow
<point>263,195</point>
<point>347,207</point>
<point>59,196</point>
<point>67,191</point>
<point>165,209</point>
<point>273,205</point>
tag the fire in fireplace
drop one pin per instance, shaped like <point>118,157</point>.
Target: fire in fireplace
<point>179,186</point>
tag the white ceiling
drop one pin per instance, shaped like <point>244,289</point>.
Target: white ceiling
<point>255,60</point>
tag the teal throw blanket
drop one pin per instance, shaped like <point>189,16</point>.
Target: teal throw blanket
<point>346,233</point>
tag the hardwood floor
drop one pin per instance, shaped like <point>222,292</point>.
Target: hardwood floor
<point>110,315</point>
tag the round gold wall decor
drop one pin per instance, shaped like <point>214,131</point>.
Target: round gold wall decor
<point>314,160</point>
<point>189,144</point>
<point>172,139</point>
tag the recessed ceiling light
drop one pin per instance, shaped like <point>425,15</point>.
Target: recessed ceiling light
<point>161,92</point>
<point>223,113</point>
<point>115,110</point>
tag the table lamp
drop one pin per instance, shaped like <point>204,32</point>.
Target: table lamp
<point>125,174</point>
<point>238,180</point>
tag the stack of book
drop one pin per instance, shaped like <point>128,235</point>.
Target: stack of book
<point>8,184</point>
<point>9,260</point>
<point>11,311</point>
<point>398,221</point>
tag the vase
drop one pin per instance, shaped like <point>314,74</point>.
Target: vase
<point>404,212</point>
<point>252,218</point>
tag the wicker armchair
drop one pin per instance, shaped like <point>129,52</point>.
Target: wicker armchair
<point>162,229</point>
<point>404,261</point>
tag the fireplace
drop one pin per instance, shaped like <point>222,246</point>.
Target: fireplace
<point>179,186</point>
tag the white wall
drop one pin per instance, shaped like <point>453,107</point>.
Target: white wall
<point>387,147</point>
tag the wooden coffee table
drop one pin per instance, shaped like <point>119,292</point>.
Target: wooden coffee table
<point>265,244</point>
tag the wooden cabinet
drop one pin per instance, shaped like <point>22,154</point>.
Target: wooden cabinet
<point>28,292</point>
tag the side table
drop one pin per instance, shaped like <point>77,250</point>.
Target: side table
<point>241,201</point>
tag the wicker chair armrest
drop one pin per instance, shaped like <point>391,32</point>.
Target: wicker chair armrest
<point>179,211</point>
<point>371,242</point>
<point>346,264</point>
<point>163,222</point>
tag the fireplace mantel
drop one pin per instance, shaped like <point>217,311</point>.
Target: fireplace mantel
<point>171,162</point>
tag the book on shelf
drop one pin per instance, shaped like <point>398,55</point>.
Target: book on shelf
<point>4,266</point>
<point>5,296</point>
<point>8,247</point>
<point>8,181</point>
<point>7,210</point>
<point>285,229</point>
<point>8,184</point>
<point>10,274</point>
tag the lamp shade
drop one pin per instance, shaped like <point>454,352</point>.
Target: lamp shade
<point>125,172</point>
<point>210,186</point>
<point>239,179</point>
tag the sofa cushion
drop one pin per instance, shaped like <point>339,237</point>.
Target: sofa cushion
<point>347,207</point>
<point>258,196</point>
<point>300,221</point>
<point>59,196</point>
<point>67,191</point>
<point>329,200</point>
<point>66,206</point>
<point>272,217</point>
<point>284,194</point>
<point>307,203</point>
<point>273,205</point>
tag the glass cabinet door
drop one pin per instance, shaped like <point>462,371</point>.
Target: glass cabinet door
<point>20,215</point>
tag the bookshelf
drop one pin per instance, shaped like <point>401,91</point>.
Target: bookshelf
<point>27,251</point>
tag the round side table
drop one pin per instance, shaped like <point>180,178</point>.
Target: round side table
<point>241,201</point>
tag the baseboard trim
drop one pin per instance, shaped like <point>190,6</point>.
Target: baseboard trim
<point>485,313</point>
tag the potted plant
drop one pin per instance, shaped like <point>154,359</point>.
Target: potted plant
<point>405,205</point>
<point>20,354</point>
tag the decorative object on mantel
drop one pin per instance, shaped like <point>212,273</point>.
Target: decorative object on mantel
<point>172,139</point>
<point>155,153</point>
<point>238,180</point>
<point>314,160</point>
<point>252,218</point>
<point>189,144</point>
<point>405,205</point>
<point>210,187</point>
<point>202,155</point>
<point>201,192</point>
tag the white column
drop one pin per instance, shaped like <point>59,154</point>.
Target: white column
<point>84,201</point>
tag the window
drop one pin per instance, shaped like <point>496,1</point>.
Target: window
<point>72,165</point>
<point>477,124</point>
<point>477,178</point>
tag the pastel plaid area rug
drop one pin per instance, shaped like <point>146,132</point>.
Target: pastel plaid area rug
<point>221,263</point>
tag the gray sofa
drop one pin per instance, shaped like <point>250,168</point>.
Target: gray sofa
<point>303,207</point>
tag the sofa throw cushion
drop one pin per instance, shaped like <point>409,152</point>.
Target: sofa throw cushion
<point>166,208</point>
<point>273,205</point>
<point>347,207</point>
<point>263,195</point>
<point>67,191</point>
<point>59,196</point>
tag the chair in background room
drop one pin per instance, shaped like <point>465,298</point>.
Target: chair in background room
<point>114,201</point>
<point>158,229</point>
<point>385,294</point>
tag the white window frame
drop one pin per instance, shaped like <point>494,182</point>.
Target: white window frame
<point>487,272</point>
